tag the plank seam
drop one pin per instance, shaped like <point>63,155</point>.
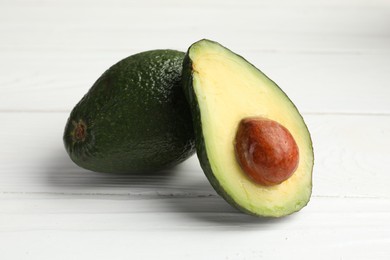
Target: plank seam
<point>319,113</point>
<point>171,195</point>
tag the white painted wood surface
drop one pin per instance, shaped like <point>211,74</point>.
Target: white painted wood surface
<point>331,57</point>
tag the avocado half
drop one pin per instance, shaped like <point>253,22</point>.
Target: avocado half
<point>135,118</point>
<point>222,89</point>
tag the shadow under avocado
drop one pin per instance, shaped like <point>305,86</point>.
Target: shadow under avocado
<point>62,172</point>
<point>195,200</point>
<point>211,208</point>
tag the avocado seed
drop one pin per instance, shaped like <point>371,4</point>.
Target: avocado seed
<point>265,150</point>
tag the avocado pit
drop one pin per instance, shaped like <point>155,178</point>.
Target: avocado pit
<point>265,150</point>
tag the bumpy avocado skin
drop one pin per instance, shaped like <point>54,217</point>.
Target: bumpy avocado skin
<point>201,151</point>
<point>135,115</point>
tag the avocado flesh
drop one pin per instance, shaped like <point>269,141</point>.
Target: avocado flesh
<point>135,118</point>
<point>223,88</point>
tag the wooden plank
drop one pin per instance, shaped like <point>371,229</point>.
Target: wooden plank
<point>320,53</point>
<point>351,154</point>
<point>193,228</point>
<point>315,82</point>
<point>299,25</point>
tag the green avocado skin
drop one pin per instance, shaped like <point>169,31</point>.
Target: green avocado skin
<point>135,117</point>
<point>199,139</point>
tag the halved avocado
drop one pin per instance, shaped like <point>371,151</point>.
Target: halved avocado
<point>224,90</point>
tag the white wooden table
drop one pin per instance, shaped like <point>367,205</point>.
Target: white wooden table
<point>331,57</point>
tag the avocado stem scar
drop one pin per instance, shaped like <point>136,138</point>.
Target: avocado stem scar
<point>79,132</point>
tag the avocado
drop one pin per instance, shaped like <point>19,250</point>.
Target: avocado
<point>251,141</point>
<point>135,118</point>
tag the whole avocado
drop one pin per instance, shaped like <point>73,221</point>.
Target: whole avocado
<point>134,118</point>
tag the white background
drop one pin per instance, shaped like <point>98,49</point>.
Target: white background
<point>331,57</point>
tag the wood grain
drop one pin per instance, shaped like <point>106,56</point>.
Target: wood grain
<point>331,57</point>
<point>351,154</point>
<point>196,228</point>
<point>320,53</point>
<point>331,83</point>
